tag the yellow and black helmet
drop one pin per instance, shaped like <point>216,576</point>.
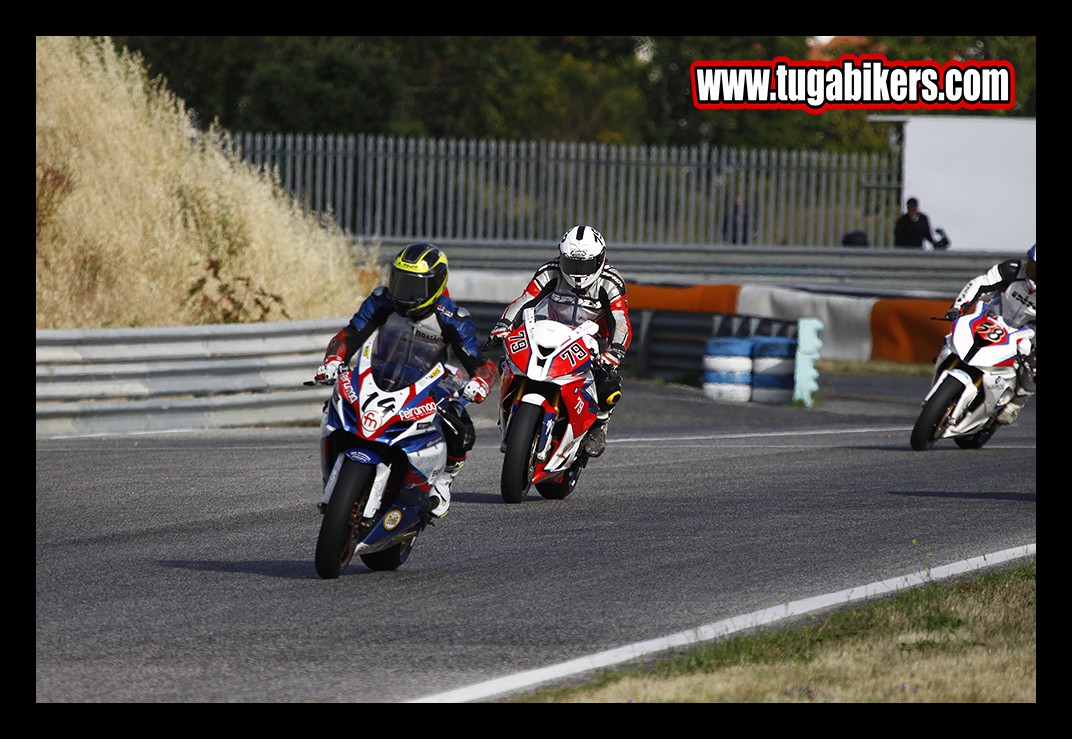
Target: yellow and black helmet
<point>418,278</point>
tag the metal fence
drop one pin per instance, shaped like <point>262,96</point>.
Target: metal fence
<point>526,192</point>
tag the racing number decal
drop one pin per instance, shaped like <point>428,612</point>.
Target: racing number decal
<point>387,405</point>
<point>990,331</point>
<point>575,354</point>
<point>519,344</point>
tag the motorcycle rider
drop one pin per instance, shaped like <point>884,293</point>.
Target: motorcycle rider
<point>582,268</point>
<point>1013,282</point>
<point>417,292</point>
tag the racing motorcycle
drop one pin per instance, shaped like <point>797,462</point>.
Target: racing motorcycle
<point>547,397</point>
<point>975,376</point>
<point>384,445</point>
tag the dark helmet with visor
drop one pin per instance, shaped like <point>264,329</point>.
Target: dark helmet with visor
<point>1029,268</point>
<point>418,279</point>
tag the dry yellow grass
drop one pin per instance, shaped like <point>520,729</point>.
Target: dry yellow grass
<point>142,221</point>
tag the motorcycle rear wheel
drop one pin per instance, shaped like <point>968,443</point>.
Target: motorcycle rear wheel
<point>390,558</point>
<point>520,460</point>
<point>559,490</point>
<point>934,418</point>
<point>339,527</point>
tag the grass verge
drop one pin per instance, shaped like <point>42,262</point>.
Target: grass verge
<point>956,641</point>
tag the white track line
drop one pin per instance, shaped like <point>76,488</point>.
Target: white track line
<point>620,655</point>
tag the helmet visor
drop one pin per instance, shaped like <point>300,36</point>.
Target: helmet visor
<point>580,267</point>
<point>411,289</point>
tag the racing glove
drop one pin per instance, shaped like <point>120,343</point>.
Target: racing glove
<point>954,313</point>
<point>612,359</point>
<point>475,390</point>
<point>329,370</point>
<point>501,329</point>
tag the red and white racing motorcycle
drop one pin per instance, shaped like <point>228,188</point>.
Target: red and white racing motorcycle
<point>975,376</point>
<point>547,398</point>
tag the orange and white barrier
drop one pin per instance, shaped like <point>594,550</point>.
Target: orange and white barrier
<point>855,328</point>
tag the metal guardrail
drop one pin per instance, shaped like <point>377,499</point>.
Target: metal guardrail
<point>98,381</point>
<point>847,270</point>
<point>122,380</point>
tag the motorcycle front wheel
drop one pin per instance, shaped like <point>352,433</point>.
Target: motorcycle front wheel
<point>339,527</point>
<point>934,418</point>
<point>520,460</point>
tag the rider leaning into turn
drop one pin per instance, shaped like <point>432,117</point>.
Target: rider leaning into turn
<point>417,292</point>
<point>1013,282</point>
<point>582,268</point>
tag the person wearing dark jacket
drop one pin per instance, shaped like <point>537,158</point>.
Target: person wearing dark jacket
<point>913,227</point>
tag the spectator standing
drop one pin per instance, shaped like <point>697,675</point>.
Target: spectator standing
<point>913,227</point>
<point>735,224</point>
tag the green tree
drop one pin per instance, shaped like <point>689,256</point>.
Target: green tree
<point>1019,51</point>
<point>209,73</point>
<point>462,86</point>
<point>326,87</point>
<point>610,89</point>
<point>674,120</point>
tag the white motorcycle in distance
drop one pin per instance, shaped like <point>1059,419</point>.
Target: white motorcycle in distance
<point>974,377</point>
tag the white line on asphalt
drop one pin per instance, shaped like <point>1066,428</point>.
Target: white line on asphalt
<point>531,678</point>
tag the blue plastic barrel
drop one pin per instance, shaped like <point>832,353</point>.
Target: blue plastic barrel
<point>773,364</point>
<point>727,367</point>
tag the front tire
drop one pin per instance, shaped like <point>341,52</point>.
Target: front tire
<point>520,460</point>
<point>339,527</point>
<point>934,418</point>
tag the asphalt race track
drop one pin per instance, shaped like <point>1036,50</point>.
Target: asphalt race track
<point>179,567</point>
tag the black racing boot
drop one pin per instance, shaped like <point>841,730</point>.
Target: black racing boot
<point>596,440</point>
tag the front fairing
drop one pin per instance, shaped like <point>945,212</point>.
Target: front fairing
<point>982,338</point>
<point>391,394</point>
<point>556,340</point>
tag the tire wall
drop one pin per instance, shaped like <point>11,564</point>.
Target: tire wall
<point>855,328</point>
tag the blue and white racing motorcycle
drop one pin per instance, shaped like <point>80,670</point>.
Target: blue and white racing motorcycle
<point>975,375</point>
<point>382,449</point>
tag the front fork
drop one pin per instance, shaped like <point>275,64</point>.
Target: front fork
<point>375,498</point>
<point>549,402</point>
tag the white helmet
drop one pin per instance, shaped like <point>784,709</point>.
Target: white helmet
<point>581,255</point>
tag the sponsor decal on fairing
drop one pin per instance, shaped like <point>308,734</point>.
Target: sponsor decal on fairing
<point>392,519</point>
